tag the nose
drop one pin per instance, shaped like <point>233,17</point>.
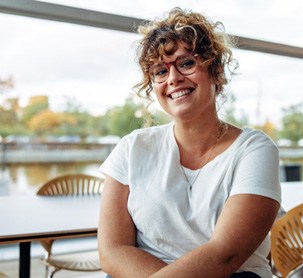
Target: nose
<point>174,76</point>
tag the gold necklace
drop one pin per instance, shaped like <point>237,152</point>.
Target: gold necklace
<point>222,131</point>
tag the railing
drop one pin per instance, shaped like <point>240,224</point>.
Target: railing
<point>52,146</point>
<point>291,152</point>
<point>67,152</point>
<point>53,152</point>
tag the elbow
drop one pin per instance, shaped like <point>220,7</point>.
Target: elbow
<point>229,260</point>
<point>110,256</point>
<point>105,263</point>
<point>105,259</point>
<point>233,263</point>
<point>234,260</point>
<point>104,254</point>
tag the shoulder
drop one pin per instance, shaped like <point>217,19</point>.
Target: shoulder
<point>149,133</point>
<point>256,143</point>
<point>242,141</point>
<point>254,137</point>
<point>147,142</point>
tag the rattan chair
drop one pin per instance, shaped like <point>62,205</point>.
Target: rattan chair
<point>71,185</point>
<point>287,243</point>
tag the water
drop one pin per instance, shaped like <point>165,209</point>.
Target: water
<point>24,179</point>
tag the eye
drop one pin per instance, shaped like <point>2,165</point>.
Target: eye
<point>159,70</point>
<point>186,63</point>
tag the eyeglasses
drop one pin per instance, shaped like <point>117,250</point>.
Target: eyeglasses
<point>185,64</point>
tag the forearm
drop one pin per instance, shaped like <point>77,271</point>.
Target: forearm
<point>119,255</point>
<point>242,226</point>
<point>204,261</point>
<point>129,261</point>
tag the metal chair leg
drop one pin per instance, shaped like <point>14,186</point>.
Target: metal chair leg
<point>46,271</point>
<point>53,272</point>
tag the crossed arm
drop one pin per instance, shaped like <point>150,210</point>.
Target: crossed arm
<point>117,237</point>
<point>235,238</point>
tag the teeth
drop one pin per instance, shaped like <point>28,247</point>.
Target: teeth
<point>180,94</point>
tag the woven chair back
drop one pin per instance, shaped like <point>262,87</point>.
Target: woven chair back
<point>75,184</point>
<point>287,242</point>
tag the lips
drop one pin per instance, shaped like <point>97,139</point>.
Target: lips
<point>179,94</point>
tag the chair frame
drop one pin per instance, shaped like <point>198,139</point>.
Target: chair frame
<point>287,242</point>
<point>69,185</point>
<point>73,184</point>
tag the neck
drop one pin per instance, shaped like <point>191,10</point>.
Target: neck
<point>196,133</point>
<point>197,142</point>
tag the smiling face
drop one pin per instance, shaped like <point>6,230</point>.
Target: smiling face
<point>185,96</point>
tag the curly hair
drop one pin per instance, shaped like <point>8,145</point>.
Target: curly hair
<point>200,36</point>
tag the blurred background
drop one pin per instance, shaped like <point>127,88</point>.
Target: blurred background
<point>66,93</point>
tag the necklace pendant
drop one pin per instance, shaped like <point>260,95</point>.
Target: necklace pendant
<point>190,187</point>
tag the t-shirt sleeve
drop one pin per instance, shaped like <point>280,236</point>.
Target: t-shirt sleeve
<point>257,171</point>
<point>116,164</point>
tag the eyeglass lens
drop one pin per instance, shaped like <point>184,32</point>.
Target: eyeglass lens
<point>184,64</point>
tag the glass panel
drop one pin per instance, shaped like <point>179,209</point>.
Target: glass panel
<point>60,59</point>
<point>93,67</point>
<point>278,21</point>
<point>265,85</point>
<point>97,67</point>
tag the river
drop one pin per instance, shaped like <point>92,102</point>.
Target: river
<point>24,179</point>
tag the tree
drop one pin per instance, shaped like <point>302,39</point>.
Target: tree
<point>270,129</point>
<point>72,105</point>
<point>85,124</point>
<point>12,104</point>
<point>292,123</point>
<point>121,120</point>
<point>8,116</point>
<point>35,105</point>
<point>159,117</point>
<point>46,122</point>
<point>229,113</point>
<point>9,120</point>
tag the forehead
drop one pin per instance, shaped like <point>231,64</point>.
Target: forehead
<point>170,58</point>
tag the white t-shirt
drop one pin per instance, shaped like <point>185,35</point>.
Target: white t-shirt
<point>171,219</point>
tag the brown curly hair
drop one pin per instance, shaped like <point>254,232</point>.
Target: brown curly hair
<point>200,36</point>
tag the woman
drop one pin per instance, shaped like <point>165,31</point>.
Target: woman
<point>196,197</point>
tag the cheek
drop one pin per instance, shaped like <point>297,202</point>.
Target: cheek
<point>159,90</point>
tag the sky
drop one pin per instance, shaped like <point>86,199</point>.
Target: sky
<point>99,69</point>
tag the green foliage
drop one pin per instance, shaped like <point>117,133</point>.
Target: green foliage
<point>160,117</point>
<point>85,124</point>
<point>37,119</point>
<point>35,105</point>
<point>9,122</point>
<point>270,129</point>
<point>17,129</point>
<point>46,121</point>
<point>8,117</point>
<point>121,120</point>
<point>229,113</point>
<point>292,123</point>
<point>72,105</point>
